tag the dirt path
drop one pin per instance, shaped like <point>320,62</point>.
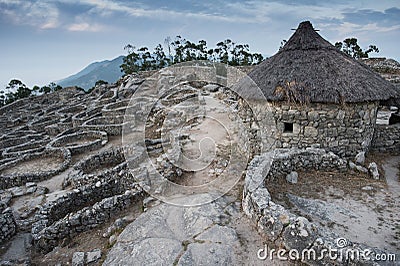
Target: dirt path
<point>391,168</point>
<point>210,142</point>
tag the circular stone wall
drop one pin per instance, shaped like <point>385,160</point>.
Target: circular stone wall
<point>79,118</point>
<point>17,139</point>
<point>34,167</point>
<point>25,148</point>
<point>109,124</point>
<point>79,142</point>
<point>39,125</point>
<point>71,110</point>
<point>96,164</point>
<point>115,109</point>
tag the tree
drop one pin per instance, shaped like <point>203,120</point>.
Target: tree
<point>182,50</point>
<point>2,98</point>
<point>223,50</point>
<point>45,89</point>
<point>350,46</point>
<point>14,90</point>
<point>52,87</point>
<point>100,82</point>
<point>178,45</point>
<point>21,90</point>
<point>202,50</point>
<point>130,62</point>
<point>257,58</point>
<point>160,58</point>
<point>145,58</point>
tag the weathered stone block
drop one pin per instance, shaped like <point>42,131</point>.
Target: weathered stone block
<point>373,169</point>
<point>78,259</point>
<point>310,131</point>
<point>292,177</point>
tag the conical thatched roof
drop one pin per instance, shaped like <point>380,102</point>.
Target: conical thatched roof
<point>310,69</point>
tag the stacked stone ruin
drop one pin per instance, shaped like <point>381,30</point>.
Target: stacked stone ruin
<point>39,138</point>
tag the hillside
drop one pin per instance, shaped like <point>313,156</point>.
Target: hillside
<point>107,70</point>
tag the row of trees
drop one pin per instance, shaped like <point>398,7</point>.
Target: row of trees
<point>350,46</point>
<point>17,90</point>
<point>179,50</point>
<point>182,50</point>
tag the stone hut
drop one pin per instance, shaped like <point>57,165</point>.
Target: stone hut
<point>317,96</point>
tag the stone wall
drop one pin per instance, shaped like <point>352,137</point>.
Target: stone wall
<point>386,138</point>
<point>288,160</point>
<point>79,118</point>
<point>83,220</point>
<point>85,207</point>
<point>14,140</point>
<point>81,141</point>
<point>342,129</point>
<point>110,160</point>
<point>25,148</point>
<point>18,178</point>
<point>8,226</point>
<point>280,226</point>
<point>112,125</point>
<point>102,186</point>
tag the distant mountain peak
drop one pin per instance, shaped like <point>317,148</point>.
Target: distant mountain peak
<point>107,70</point>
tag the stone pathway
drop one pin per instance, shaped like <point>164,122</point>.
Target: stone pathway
<point>216,233</point>
<point>174,235</point>
<point>17,250</point>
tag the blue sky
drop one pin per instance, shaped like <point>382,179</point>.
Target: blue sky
<point>46,40</point>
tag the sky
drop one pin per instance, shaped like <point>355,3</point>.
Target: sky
<point>47,40</point>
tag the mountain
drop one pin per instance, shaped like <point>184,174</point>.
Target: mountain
<point>107,70</point>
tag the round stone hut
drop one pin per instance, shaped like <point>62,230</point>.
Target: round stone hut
<point>317,96</point>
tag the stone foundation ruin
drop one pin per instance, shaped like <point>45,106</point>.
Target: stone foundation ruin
<point>81,141</point>
<point>34,167</point>
<point>282,227</point>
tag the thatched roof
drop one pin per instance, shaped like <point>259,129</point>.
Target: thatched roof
<point>310,69</point>
<point>393,101</point>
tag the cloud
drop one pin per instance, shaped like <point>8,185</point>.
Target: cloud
<point>363,23</point>
<point>141,10</point>
<point>347,28</point>
<point>84,26</point>
<point>62,14</point>
<point>42,15</point>
<point>388,17</point>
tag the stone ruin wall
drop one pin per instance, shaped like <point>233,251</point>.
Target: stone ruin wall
<point>8,226</point>
<point>110,192</point>
<point>280,225</point>
<point>386,139</point>
<point>345,130</point>
<point>47,237</point>
<point>19,179</point>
